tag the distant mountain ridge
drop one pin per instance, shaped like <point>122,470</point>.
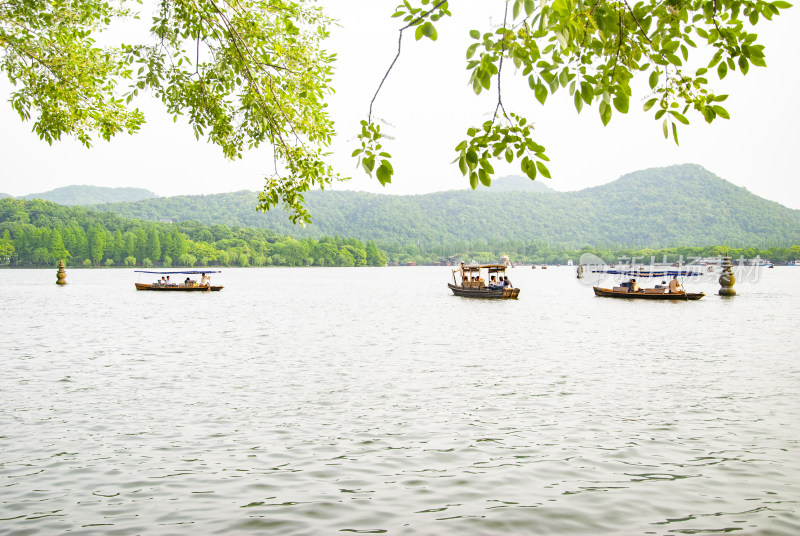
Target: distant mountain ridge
<point>91,195</point>
<point>518,183</point>
<point>659,207</point>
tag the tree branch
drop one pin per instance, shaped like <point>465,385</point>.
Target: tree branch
<point>399,45</point>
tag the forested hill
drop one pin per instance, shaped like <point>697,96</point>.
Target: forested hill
<point>91,195</point>
<point>658,207</point>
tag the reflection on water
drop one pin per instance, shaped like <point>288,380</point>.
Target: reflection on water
<point>318,401</point>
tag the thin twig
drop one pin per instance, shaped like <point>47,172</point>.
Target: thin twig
<point>644,33</point>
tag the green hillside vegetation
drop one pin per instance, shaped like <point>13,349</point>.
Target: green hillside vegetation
<point>92,195</point>
<point>655,208</point>
<point>40,233</point>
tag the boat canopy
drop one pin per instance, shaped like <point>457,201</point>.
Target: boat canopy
<point>180,272</point>
<point>646,273</point>
<point>473,266</point>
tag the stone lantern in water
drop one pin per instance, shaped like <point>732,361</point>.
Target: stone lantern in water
<point>61,275</point>
<point>727,279</point>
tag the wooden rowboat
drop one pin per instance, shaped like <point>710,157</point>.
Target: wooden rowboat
<point>473,284</point>
<point>188,285</point>
<point>485,293</point>
<point>178,288</point>
<point>646,294</point>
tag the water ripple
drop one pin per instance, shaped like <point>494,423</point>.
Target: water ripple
<point>311,409</point>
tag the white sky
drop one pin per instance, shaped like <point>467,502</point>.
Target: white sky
<point>429,105</point>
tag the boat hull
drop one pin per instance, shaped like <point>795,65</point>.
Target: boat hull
<point>609,293</point>
<point>177,288</point>
<point>485,293</point>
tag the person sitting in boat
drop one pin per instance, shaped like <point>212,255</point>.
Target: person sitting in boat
<point>674,286</point>
<point>163,281</point>
<point>635,286</point>
<point>662,285</point>
<point>507,282</point>
<point>168,283</point>
<point>495,284</point>
<point>204,280</point>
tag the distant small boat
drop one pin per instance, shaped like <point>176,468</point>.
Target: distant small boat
<point>793,263</point>
<point>187,285</point>
<point>646,294</point>
<point>474,286</point>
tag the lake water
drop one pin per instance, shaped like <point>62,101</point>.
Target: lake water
<point>371,400</point>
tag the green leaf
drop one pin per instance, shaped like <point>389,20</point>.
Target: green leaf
<point>529,168</point>
<point>649,104</point>
<point>666,129</point>
<point>578,102</point>
<point>653,79</point>
<point>484,178</point>
<point>587,92</point>
<point>605,112</point>
<point>384,174</point>
<point>540,91</point>
<point>621,103</point>
<point>530,6</point>
<point>679,117</point>
<point>722,70</point>
<point>720,111</point>
<point>543,169</point>
<point>554,84</point>
<point>473,180</point>
<point>744,65</point>
<point>475,34</point>
<point>368,164</point>
<point>671,46</point>
<point>675,133</point>
<point>430,31</point>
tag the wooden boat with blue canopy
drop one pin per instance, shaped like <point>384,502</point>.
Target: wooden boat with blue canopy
<point>646,294</point>
<point>166,284</point>
<point>473,285</point>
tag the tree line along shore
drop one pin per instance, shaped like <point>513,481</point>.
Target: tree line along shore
<point>40,234</point>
